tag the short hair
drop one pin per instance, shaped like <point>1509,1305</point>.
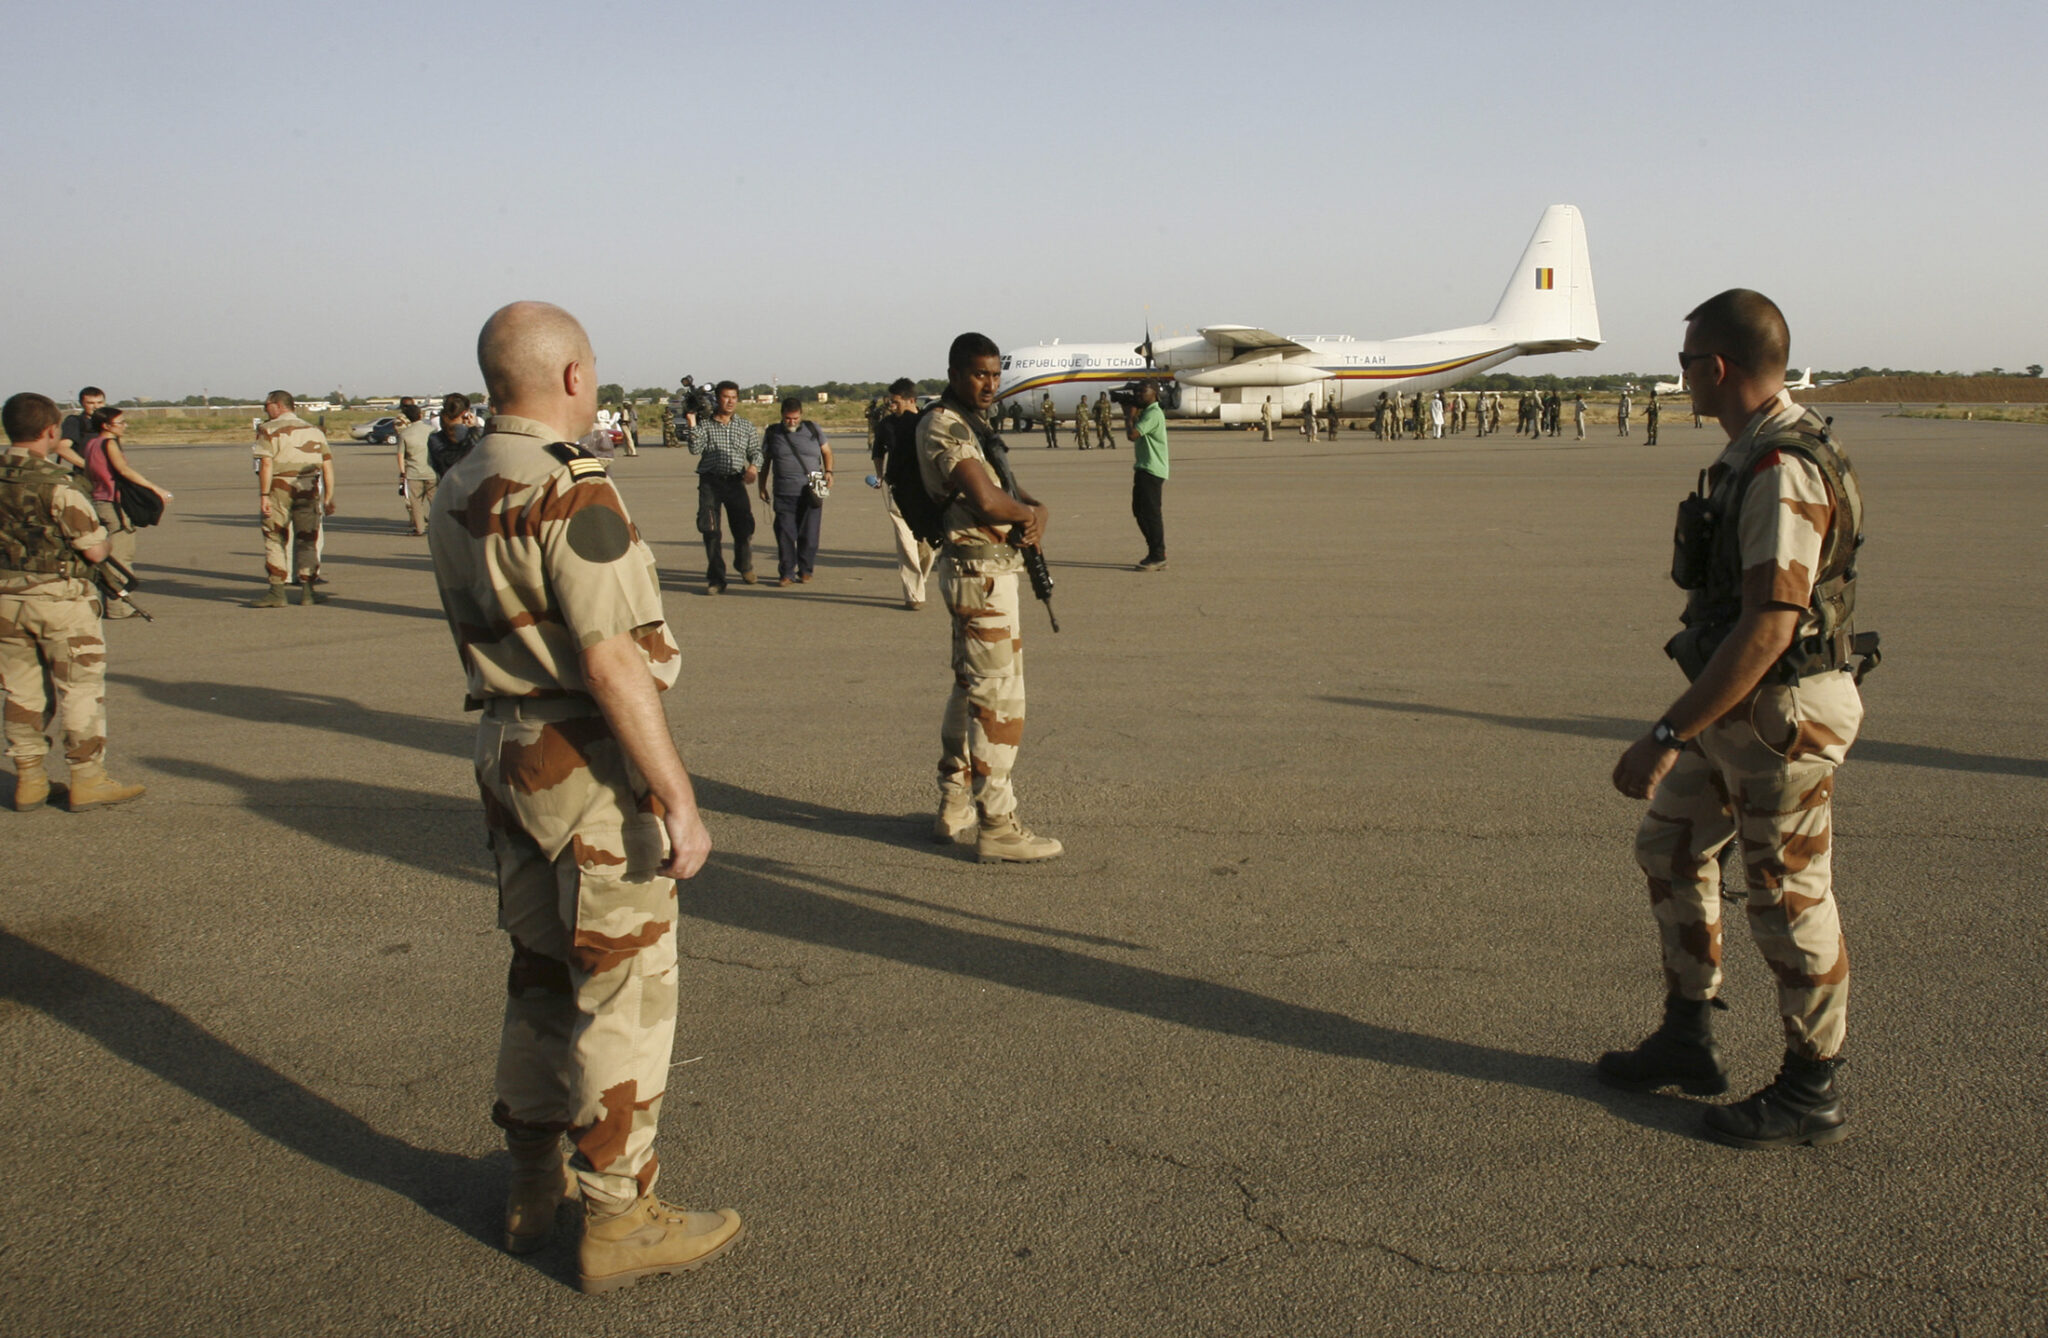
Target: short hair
<point>283,397</point>
<point>968,347</point>
<point>724,386</point>
<point>454,406</point>
<point>410,408</point>
<point>1746,328</point>
<point>903,388</point>
<point>90,390</point>
<point>104,415</point>
<point>27,416</point>
<point>791,404</point>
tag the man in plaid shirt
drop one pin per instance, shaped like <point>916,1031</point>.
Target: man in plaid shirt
<point>730,451</point>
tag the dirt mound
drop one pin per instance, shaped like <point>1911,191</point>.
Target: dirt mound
<point>1932,390</point>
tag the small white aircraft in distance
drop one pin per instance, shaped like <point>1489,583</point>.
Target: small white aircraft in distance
<point>1805,382</point>
<point>1226,372</point>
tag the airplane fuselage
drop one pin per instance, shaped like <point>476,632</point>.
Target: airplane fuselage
<point>1356,371</point>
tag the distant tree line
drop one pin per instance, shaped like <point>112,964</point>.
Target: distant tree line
<point>613,393</point>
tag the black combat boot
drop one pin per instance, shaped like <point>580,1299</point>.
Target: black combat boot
<point>1803,1104</point>
<point>1682,1051</point>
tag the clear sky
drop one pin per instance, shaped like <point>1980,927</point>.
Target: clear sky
<point>237,196</point>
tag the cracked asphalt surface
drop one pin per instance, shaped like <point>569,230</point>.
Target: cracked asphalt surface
<point>1296,1039</point>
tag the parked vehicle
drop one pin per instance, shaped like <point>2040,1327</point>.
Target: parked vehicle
<point>382,432</point>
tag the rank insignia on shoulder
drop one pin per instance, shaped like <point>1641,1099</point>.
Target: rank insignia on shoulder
<point>582,464</point>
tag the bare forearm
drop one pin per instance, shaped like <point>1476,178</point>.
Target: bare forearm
<point>1755,644</point>
<point>625,691</point>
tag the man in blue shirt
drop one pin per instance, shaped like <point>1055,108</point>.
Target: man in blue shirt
<point>794,451</point>
<point>1146,430</point>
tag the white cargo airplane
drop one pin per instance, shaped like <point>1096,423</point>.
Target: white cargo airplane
<point>1226,371</point>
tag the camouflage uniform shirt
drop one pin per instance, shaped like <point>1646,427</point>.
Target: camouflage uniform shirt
<point>75,519</point>
<point>1785,514</point>
<point>944,439</point>
<point>296,450</point>
<point>537,560</point>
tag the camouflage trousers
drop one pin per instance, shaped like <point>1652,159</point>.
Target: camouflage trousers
<point>53,646</point>
<point>120,532</point>
<point>294,515</point>
<point>590,999</point>
<point>1764,778</point>
<point>984,721</point>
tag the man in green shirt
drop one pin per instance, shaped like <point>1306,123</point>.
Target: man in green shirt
<point>1146,430</point>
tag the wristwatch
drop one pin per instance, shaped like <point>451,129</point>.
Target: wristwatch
<point>1666,737</point>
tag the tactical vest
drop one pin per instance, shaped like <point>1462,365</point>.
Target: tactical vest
<point>31,541</point>
<point>1706,562</point>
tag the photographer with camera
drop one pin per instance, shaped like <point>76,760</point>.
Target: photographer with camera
<point>799,468</point>
<point>730,451</point>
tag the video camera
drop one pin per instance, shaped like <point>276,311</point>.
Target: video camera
<point>693,398</point>
<point>1128,394</point>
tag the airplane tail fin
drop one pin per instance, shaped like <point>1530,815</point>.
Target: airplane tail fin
<point>1548,306</point>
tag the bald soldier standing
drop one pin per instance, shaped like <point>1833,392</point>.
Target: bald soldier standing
<point>556,609</point>
<point>1766,553</point>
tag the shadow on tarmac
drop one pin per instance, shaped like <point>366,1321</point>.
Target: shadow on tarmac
<point>154,1037</point>
<point>1628,731</point>
<point>314,710</point>
<point>766,896</point>
<point>243,587</point>
<point>341,522</point>
<point>408,826</point>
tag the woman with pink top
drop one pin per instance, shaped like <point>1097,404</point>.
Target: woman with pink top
<point>105,464</point>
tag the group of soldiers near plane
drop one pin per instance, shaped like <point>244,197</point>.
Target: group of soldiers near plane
<point>554,604</point>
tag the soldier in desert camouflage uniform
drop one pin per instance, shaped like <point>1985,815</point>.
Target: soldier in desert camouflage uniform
<point>1749,752</point>
<point>1103,437</point>
<point>554,602</point>
<point>294,488</point>
<point>978,578</point>
<point>1049,421</point>
<point>49,615</point>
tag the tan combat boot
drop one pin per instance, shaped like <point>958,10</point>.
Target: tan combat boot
<point>307,596</point>
<point>272,600</point>
<point>92,787</point>
<point>955,823</point>
<point>541,1179</point>
<point>649,1239</point>
<point>31,784</point>
<point>1005,840</point>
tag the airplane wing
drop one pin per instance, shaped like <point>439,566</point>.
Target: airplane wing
<point>1236,339</point>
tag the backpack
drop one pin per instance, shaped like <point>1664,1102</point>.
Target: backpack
<point>904,478</point>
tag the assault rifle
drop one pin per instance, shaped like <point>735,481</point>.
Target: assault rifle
<point>115,581</point>
<point>1034,561</point>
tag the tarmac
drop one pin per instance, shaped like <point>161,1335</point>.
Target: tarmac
<point>1296,1039</point>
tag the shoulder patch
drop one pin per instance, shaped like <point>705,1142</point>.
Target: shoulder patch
<point>567,452</point>
<point>599,534</point>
